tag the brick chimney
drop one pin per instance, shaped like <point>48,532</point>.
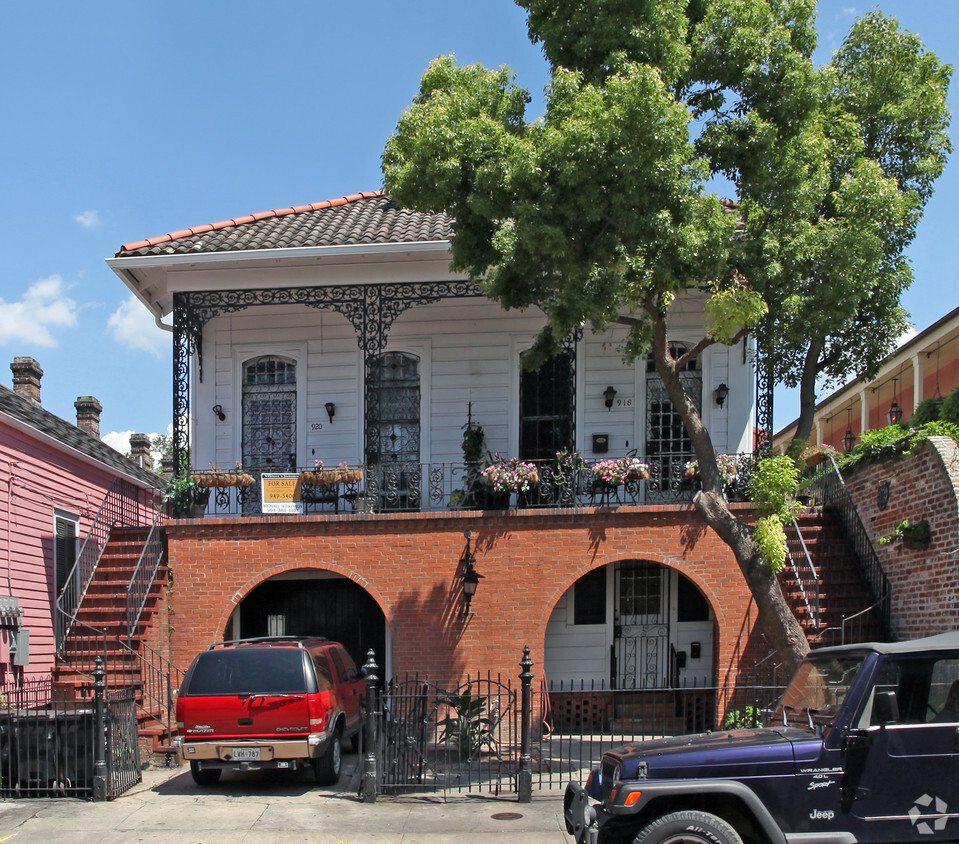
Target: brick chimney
<point>140,451</point>
<point>26,378</point>
<point>88,414</point>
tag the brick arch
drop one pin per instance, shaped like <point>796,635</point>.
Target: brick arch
<point>243,591</point>
<point>668,562</point>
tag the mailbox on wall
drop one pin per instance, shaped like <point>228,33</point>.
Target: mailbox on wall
<point>600,443</point>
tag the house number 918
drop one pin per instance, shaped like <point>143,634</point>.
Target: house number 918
<point>624,402</point>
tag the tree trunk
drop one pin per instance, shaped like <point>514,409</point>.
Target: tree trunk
<point>775,615</point>
<point>807,393</point>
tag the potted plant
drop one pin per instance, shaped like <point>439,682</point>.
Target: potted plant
<point>505,477</point>
<point>186,498</point>
<point>513,475</point>
<point>473,493</point>
<point>914,535</point>
<point>618,471</point>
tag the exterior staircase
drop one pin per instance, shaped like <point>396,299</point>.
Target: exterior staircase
<point>837,590</point>
<point>101,629</point>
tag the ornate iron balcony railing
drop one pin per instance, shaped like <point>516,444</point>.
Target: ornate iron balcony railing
<point>437,487</point>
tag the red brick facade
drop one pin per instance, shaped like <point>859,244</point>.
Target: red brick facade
<point>408,563</point>
<point>925,582</point>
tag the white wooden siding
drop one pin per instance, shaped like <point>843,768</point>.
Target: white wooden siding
<point>472,349</point>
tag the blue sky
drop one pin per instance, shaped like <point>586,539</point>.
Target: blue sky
<point>127,120</point>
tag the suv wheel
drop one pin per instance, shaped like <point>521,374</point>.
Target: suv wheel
<point>327,767</point>
<point>688,828</point>
<point>204,776</point>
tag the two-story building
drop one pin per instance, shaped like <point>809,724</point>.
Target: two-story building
<point>62,491</point>
<point>336,332</point>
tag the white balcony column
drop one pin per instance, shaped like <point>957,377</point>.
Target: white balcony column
<point>918,371</point>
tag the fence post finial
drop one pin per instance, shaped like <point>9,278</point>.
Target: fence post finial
<point>368,782</point>
<point>525,779</point>
<point>99,709</point>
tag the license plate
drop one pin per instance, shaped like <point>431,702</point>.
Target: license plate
<point>246,754</point>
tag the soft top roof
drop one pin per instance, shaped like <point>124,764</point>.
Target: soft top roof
<point>943,641</point>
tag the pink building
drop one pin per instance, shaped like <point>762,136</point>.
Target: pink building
<point>61,487</point>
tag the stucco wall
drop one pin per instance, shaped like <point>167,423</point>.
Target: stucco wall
<point>925,582</point>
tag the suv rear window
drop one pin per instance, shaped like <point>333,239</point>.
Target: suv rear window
<point>243,671</point>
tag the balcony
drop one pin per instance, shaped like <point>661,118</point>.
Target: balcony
<point>444,487</point>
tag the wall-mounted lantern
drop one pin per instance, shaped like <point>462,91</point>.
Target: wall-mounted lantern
<point>330,410</point>
<point>720,393</point>
<point>609,394</point>
<point>218,412</point>
<point>470,576</point>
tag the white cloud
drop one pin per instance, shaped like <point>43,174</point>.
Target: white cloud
<point>906,336</point>
<point>120,441</point>
<point>42,307</point>
<point>133,325</point>
<point>88,219</point>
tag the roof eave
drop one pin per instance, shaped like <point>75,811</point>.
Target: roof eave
<point>294,253</point>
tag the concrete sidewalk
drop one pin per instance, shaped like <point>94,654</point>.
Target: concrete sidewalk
<point>169,807</point>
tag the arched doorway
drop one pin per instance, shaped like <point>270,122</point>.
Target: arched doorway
<point>315,603</point>
<point>633,624</point>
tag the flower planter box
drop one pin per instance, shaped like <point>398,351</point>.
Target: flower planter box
<point>330,477</point>
<point>223,479</point>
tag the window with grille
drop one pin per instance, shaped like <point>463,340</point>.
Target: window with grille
<point>269,415</point>
<point>546,408</point>
<point>395,379</point>
<point>668,446</point>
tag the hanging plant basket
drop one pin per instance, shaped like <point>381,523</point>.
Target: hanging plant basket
<point>223,479</point>
<point>637,475</point>
<point>330,477</point>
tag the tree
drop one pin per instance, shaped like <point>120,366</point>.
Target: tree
<point>601,211</point>
<point>834,272</point>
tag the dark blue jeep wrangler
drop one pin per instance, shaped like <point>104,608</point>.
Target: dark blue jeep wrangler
<point>863,747</point>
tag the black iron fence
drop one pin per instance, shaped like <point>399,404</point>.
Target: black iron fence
<point>496,734</point>
<point>49,748</point>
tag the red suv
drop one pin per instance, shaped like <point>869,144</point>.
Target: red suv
<point>275,702</point>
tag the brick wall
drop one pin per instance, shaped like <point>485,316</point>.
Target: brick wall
<point>925,583</point>
<point>408,563</point>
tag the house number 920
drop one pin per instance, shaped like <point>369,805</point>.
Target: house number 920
<point>316,426</point>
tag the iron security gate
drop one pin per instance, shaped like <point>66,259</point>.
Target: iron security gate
<point>429,737</point>
<point>641,658</point>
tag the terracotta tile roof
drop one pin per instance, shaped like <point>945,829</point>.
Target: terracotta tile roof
<point>361,218</point>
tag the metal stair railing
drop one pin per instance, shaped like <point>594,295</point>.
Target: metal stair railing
<point>122,505</point>
<point>144,574</point>
<point>805,571</point>
<point>829,489</point>
<point>158,679</point>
